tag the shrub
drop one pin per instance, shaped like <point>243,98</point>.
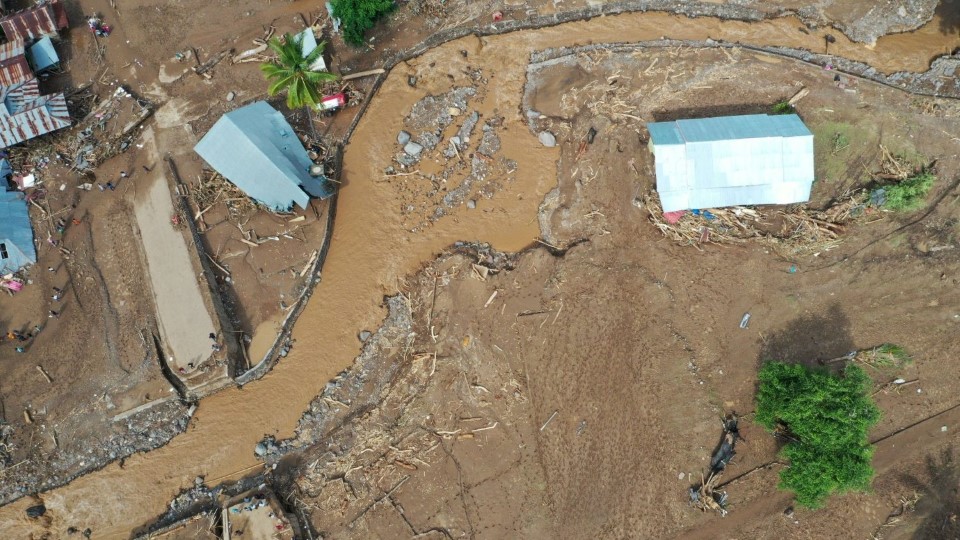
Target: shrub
<point>909,194</point>
<point>358,16</point>
<point>826,418</point>
<point>782,107</point>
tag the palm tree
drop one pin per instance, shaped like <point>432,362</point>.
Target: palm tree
<point>291,71</point>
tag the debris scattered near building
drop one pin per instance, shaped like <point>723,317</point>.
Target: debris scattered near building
<point>732,161</point>
<point>255,148</point>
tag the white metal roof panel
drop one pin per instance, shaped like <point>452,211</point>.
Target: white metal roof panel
<point>729,161</point>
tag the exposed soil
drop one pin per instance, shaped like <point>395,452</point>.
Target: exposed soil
<point>579,392</point>
<point>380,240</point>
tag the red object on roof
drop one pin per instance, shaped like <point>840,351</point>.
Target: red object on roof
<point>14,68</point>
<point>36,22</point>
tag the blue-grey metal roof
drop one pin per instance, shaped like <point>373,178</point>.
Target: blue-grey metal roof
<point>732,160</point>
<point>16,233</point>
<point>42,55</point>
<point>255,148</point>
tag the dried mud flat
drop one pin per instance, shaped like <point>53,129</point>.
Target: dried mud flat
<point>609,337</point>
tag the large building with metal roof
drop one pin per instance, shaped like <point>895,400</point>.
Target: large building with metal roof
<point>732,161</point>
<point>16,233</point>
<point>255,148</point>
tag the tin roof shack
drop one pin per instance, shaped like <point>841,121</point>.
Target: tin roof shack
<point>13,63</point>
<point>25,114</point>
<point>16,233</point>
<point>255,148</point>
<point>43,55</point>
<point>43,19</point>
<point>732,161</point>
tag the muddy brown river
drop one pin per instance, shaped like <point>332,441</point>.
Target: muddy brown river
<point>371,250</point>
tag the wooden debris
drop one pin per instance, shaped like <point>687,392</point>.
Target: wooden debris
<point>44,373</point>
<point>250,55</point>
<point>211,62</point>
<point>360,74</point>
<point>798,96</point>
<point>706,498</point>
<point>545,424</point>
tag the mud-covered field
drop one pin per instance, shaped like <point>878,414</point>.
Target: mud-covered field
<point>578,391</point>
<point>567,388</point>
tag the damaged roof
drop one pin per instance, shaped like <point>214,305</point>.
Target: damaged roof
<point>732,161</point>
<point>255,148</point>
<point>41,20</point>
<point>25,114</point>
<point>13,63</point>
<point>16,233</point>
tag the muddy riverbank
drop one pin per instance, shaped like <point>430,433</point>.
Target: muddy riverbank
<point>373,249</point>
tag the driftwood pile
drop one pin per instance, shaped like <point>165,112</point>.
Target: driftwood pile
<point>705,496</point>
<point>792,230</point>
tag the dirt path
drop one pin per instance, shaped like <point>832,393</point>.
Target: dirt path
<point>185,322</point>
<point>371,250</point>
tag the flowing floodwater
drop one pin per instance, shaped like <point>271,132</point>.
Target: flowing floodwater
<point>371,250</point>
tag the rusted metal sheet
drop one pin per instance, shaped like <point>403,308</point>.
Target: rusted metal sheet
<point>39,116</point>
<point>14,68</point>
<point>36,22</point>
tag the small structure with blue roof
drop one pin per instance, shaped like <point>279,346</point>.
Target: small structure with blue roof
<point>16,233</point>
<point>732,161</point>
<point>255,148</point>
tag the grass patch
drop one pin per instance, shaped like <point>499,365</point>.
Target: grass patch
<point>837,148</point>
<point>826,418</point>
<point>782,107</point>
<point>909,194</point>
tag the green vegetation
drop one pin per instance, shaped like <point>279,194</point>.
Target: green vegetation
<point>826,418</point>
<point>290,71</point>
<point>840,142</point>
<point>837,145</point>
<point>358,16</point>
<point>909,194</point>
<point>783,107</point>
<point>885,356</point>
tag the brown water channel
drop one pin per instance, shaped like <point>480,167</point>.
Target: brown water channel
<point>371,250</point>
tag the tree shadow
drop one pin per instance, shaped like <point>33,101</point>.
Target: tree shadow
<point>809,339</point>
<point>939,505</point>
<point>949,14</point>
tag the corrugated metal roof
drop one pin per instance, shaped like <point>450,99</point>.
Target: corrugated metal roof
<point>13,64</point>
<point>42,20</point>
<point>733,160</point>
<point>42,55</point>
<point>16,232</point>
<point>255,148</point>
<point>307,45</point>
<point>39,116</point>
<point>15,97</point>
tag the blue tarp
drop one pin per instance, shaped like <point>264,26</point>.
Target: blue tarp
<point>16,233</point>
<point>42,55</point>
<point>255,148</point>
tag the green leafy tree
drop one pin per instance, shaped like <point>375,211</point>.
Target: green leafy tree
<point>826,418</point>
<point>290,71</point>
<point>358,16</point>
